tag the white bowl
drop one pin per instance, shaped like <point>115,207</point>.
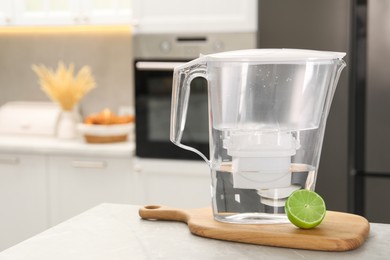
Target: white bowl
<point>107,133</point>
<point>105,130</point>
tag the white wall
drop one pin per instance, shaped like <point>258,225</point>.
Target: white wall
<point>107,52</point>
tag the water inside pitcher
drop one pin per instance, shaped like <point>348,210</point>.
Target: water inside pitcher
<point>267,116</point>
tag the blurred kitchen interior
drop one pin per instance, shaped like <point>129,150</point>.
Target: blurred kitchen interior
<point>335,25</point>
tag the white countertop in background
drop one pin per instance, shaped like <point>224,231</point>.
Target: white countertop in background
<point>52,146</point>
<point>113,231</point>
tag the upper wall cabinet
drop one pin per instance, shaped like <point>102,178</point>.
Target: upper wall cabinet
<point>146,16</point>
<point>202,16</point>
<point>6,12</point>
<point>65,12</point>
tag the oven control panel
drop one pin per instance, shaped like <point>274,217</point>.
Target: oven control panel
<point>185,46</point>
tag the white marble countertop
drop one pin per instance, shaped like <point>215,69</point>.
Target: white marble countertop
<point>52,146</point>
<point>112,231</point>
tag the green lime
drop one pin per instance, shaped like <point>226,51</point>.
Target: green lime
<point>305,209</point>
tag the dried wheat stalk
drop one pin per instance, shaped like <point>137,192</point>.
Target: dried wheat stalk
<point>62,87</point>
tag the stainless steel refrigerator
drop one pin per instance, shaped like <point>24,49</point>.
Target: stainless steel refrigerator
<point>354,171</point>
<point>370,177</point>
<point>319,25</point>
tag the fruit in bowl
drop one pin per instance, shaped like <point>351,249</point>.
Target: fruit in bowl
<point>106,127</point>
<point>107,117</point>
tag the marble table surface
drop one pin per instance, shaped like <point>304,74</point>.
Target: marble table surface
<point>114,231</point>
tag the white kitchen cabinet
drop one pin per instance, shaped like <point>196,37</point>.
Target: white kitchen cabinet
<point>201,16</point>
<point>44,181</point>
<point>184,184</point>
<point>106,12</point>
<point>65,12</point>
<point>39,12</point>
<point>78,183</point>
<point>6,12</point>
<point>23,197</point>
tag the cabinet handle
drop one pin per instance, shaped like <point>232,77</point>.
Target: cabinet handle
<point>89,164</point>
<point>85,19</point>
<point>135,22</point>
<point>7,20</point>
<point>10,160</point>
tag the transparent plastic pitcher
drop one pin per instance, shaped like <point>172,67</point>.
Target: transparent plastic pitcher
<point>267,116</point>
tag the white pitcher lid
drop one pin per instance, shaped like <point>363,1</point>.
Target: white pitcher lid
<point>275,55</point>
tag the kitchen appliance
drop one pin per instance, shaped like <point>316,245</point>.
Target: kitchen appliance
<point>156,55</point>
<point>369,175</point>
<point>267,115</point>
<point>161,163</point>
<point>306,24</point>
<point>29,118</point>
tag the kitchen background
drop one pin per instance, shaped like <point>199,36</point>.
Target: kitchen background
<point>107,51</point>
<point>42,183</point>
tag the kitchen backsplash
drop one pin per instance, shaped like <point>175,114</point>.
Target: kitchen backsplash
<point>107,50</point>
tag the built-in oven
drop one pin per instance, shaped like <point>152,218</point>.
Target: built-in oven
<point>156,55</point>
<point>153,83</point>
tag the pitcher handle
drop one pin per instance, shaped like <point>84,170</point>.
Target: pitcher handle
<point>182,77</point>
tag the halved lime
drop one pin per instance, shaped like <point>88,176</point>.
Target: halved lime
<point>305,209</point>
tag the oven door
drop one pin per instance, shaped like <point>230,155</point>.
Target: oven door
<point>153,93</point>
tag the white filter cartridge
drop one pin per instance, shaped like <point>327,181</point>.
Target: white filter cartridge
<point>261,160</point>
<point>261,173</point>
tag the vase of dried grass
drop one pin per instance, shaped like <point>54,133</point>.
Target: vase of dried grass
<point>66,128</point>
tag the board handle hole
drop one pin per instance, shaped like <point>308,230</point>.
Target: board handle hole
<point>152,207</point>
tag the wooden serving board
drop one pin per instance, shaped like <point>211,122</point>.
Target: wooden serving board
<point>338,231</point>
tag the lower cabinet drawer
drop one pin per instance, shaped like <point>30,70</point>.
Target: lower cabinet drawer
<point>80,183</point>
<point>23,197</point>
